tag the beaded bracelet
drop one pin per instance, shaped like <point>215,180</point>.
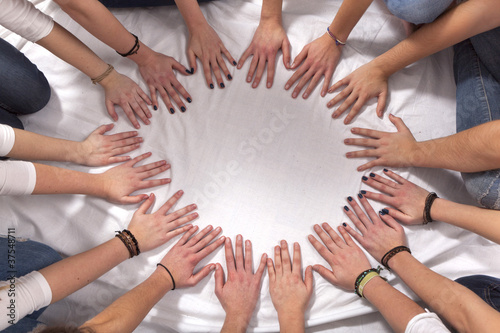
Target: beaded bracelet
<point>427,209</point>
<point>129,241</point>
<point>361,277</point>
<point>134,48</point>
<point>392,253</point>
<point>103,75</point>
<point>171,276</point>
<point>337,41</point>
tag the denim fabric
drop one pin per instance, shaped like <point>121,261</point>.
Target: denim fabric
<point>477,73</point>
<point>486,287</point>
<point>139,3</point>
<point>417,11</point>
<point>29,256</point>
<point>23,88</point>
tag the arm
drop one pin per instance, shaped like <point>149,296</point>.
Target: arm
<point>127,312</point>
<point>321,56</point>
<point>459,23</point>
<point>267,40</point>
<point>156,69</point>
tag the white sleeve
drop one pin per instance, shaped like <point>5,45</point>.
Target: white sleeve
<point>17,178</point>
<point>7,138</point>
<point>21,17</point>
<point>425,323</point>
<point>21,296</point>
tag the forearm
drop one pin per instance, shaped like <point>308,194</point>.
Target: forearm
<point>452,301</point>
<point>347,17</point>
<point>127,312</point>
<point>192,14</point>
<point>292,322</point>
<point>234,324</point>
<point>396,307</point>
<point>73,273</point>
<point>271,11</point>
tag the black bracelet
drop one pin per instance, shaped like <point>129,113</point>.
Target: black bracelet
<point>427,209</point>
<point>392,253</point>
<point>173,281</point>
<point>134,48</point>
<point>133,240</point>
<point>126,242</point>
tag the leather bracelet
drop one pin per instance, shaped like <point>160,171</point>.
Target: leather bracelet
<point>427,209</point>
<point>392,253</point>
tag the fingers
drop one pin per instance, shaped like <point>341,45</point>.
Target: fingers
<point>322,250</point>
<point>106,128</point>
<point>297,259</point>
<point>244,57</point>
<point>248,256</point>
<point>131,116</point>
<point>227,55</point>
<point>219,279</point>
<point>146,205</point>
<point>382,100</point>
<point>356,235</point>
<point>390,221</point>
<point>314,82</point>
<point>262,266</point>
<point>261,66</point>
<point>299,58</point>
<point>192,61</point>
<point>173,233</point>
<point>197,239</point>
<point>185,238</point>
<point>170,202</point>
<point>398,122</point>
<point>396,177</point>
<point>271,271</point>
<point>203,273</point>
<point>325,273</point>
<point>359,219</point>
<point>230,263</point>
<point>277,261</point>
<point>326,82</point>
<point>399,215</point>
<point>154,97</point>
<point>111,110</point>
<point>285,48</point>
<point>239,253</point>
<point>133,199</point>
<point>369,209</point>
<point>285,257</point>
<point>348,240</point>
<point>308,278</point>
<point>211,247</point>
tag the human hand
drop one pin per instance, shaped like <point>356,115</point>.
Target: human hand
<point>345,258</point>
<point>267,40</point>
<point>99,149</point>
<point>377,234</point>
<point>406,197</point>
<point>398,149</point>
<point>318,58</point>
<point>157,70</point>
<point>155,229</point>
<point>289,293</point>
<point>204,43</point>
<point>363,84</point>
<point>120,181</point>
<point>122,91</point>
<point>239,295</point>
<point>183,257</point>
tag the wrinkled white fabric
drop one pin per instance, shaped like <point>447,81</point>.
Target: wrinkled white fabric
<point>21,17</point>
<point>425,323</point>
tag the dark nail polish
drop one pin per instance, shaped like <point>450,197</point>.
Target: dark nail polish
<point>364,178</point>
<point>222,85</point>
<point>372,174</point>
<point>234,62</point>
<point>183,109</point>
<point>189,99</point>
<point>385,170</point>
<point>172,111</point>
<point>346,208</point>
<point>211,86</point>
<point>349,198</point>
<point>229,77</point>
<point>385,211</point>
<point>381,213</point>
<point>192,70</point>
<point>155,107</point>
<point>363,192</point>
<point>360,195</point>
<point>188,71</point>
<point>345,225</point>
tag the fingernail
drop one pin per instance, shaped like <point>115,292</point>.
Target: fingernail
<point>381,212</point>
<point>172,111</point>
<point>345,225</point>
<point>364,178</point>
<point>229,77</point>
<point>372,174</point>
<point>192,70</point>
<point>346,208</point>
<point>363,192</point>
<point>222,85</point>
<point>385,211</point>
<point>183,109</point>
<point>269,84</point>
<point>287,87</point>
<point>385,170</point>
<point>293,63</point>
<point>349,198</point>
<point>360,195</point>
<point>234,62</point>
<point>189,99</point>
<point>188,71</point>
<point>155,107</point>
<point>211,86</point>
<point>305,96</point>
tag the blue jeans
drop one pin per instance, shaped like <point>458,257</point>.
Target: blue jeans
<point>417,11</point>
<point>477,75</point>
<point>23,88</point>
<point>486,287</point>
<point>139,3</point>
<point>29,256</point>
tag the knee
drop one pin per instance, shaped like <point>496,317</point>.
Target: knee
<point>484,187</point>
<point>417,11</point>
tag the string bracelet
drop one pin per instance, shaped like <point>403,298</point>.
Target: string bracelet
<point>103,75</point>
<point>392,253</point>
<point>427,209</point>
<point>364,278</point>
<point>337,41</point>
<point>129,241</point>
<point>171,276</point>
<point>134,48</point>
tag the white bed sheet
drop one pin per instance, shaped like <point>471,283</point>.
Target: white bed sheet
<point>255,161</point>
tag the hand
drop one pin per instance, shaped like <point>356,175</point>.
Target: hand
<point>239,295</point>
<point>188,252</point>
<point>345,258</point>
<point>120,181</point>
<point>406,197</point>
<point>158,72</point>
<point>204,43</point>
<point>99,149</point>
<point>289,293</point>
<point>390,149</point>
<point>267,40</point>
<point>318,58</point>
<point>364,83</point>
<point>122,91</point>
<point>153,230</point>
<point>377,234</point>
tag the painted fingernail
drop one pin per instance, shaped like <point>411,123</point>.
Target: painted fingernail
<point>211,86</point>
<point>349,198</point>
<point>188,71</point>
<point>183,109</point>
<point>345,225</point>
<point>192,70</point>
<point>172,111</point>
<point>363,192</point>
<point>234,62</point>
<point>229,77</point>
<point>364,178</point>
<point>360,195</point>
<point>385,170</point>
<point>372,174</point>
<point>222,85</point>
<point>346,208</point>
<point>381,212</point>
<point>189,99</point>
<point>155,107</point>
<point>385,211</point>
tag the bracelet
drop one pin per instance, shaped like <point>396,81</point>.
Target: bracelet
<point>363,279</point>
<point>173,281</point>
<point>133,240</point>
<point>337,41</point>
<point>427,209</point>
<point>134,48</point>
<point>392,253</point>
<point>129,241</point>
<point>103,75</point>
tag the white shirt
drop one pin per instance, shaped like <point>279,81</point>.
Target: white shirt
<point>21,17</point>
<point>425,323</point>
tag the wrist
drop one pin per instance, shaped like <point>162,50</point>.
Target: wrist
<point>143,55</point>
<point>291,318</point>
<point>417,154</point>
<point>399,260</point>
<point>235,323</point>
<point>162,279</point>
